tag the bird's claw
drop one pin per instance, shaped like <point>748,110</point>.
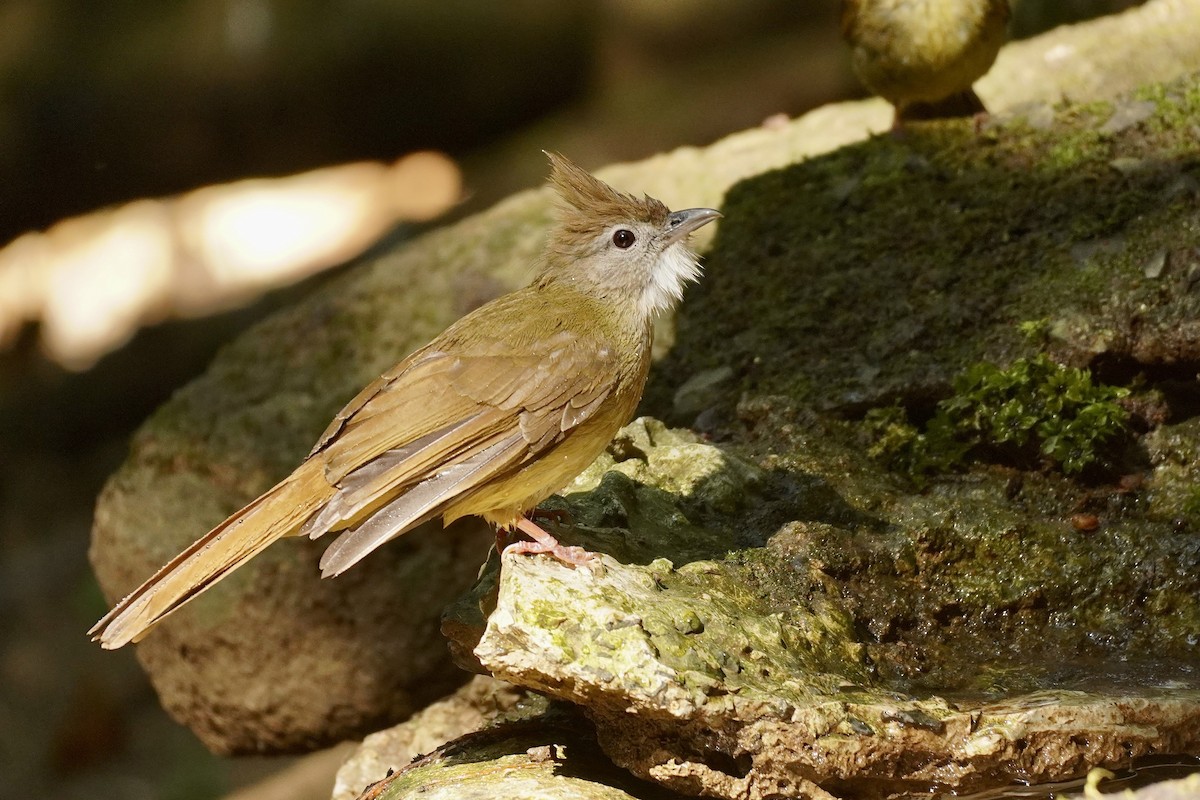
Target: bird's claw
<point>576,556</point>
<point>544,542</point>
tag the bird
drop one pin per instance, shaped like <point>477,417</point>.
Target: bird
<point>500,410</point>
<point>923,56</point>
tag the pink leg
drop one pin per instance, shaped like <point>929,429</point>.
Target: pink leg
<point>545,543</point>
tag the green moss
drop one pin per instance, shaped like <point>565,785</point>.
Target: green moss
<point>1191,504</point>
<point>1077,149</point>
<point>1176,104</point>
<point>1035,331</point>
<point>881,269</point>
<point>1033,405</point>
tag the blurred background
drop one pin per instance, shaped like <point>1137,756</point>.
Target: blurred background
<point>156,160</point>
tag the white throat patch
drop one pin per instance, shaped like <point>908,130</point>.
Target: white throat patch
<point>675,268</point>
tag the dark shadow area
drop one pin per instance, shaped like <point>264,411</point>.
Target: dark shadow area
<point>562,739</point>
<point>45,406</point>
<point>265,89</point>
<point>637,523</point>
<point>878,272</point>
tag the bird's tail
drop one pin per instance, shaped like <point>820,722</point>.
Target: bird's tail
<point>277,513</point>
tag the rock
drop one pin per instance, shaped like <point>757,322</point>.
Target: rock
<point>837,633</point>
<point>1180,789</point>
<point>549,756</point>
<point>1100,59</point>
<point>631,503</point>
<point>1126,115</point>
<point>700,391</point>
<point>307,778</point>
<point>828,311</point>
<point>955,640</point>
<point>472,707</point>
<point>250,669</point>
<point>946,259</point>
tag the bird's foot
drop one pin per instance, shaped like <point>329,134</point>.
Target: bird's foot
<point>543,542</point>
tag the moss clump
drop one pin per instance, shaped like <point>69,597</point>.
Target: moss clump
<point>1035,407</point>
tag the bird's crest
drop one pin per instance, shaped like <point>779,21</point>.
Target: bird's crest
<point>587,203</point>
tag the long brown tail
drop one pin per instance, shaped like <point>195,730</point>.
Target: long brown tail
<point>277,513</point>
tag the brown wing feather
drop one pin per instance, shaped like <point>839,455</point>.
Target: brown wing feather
<point>423,501</point>
<point>364,489</point>
<point>367,394</point>
<point>389,477</point>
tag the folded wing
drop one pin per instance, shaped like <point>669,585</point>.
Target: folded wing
<point>506,409</point>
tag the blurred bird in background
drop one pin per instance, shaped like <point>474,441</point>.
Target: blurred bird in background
<point>922,56</point>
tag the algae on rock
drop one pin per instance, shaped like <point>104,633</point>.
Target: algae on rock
<point>831,630</point>
<point>954,640</point>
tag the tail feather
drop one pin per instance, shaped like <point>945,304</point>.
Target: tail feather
<point>278,513</point>
<point>424,501</point>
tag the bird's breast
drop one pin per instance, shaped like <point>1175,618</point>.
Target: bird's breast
<point>506,498</point>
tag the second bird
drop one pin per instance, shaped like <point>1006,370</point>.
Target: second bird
<point>923,56</point>
<point>489,419</point>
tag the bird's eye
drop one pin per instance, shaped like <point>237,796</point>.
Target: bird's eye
<point>623,238</point>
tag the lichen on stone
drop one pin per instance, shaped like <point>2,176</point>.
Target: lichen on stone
<point>777,611</point>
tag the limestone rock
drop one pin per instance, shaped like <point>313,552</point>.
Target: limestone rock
<point>840,631</point>
<point>1099,59</point>
<point>852,654</point>
<point>475,705</point>
<point>551,756</point>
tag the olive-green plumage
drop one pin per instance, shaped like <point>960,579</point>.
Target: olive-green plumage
<point>502,409</point>
<point>923,55</point>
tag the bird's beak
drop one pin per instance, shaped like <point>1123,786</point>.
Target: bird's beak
<point>681,223</point>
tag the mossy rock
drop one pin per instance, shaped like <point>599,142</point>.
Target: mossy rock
<point>778,611</point>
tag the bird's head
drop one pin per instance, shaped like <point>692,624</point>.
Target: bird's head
<point>619,247</point>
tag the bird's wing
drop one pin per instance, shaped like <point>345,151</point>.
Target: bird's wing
<point>444,426</point>
<point>550,390</point>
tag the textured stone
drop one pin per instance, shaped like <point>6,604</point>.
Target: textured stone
<point>475,705</point>
<point>755,673</point>
<point>550,756</point>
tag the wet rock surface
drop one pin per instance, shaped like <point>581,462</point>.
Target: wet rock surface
<point>931,645</point>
